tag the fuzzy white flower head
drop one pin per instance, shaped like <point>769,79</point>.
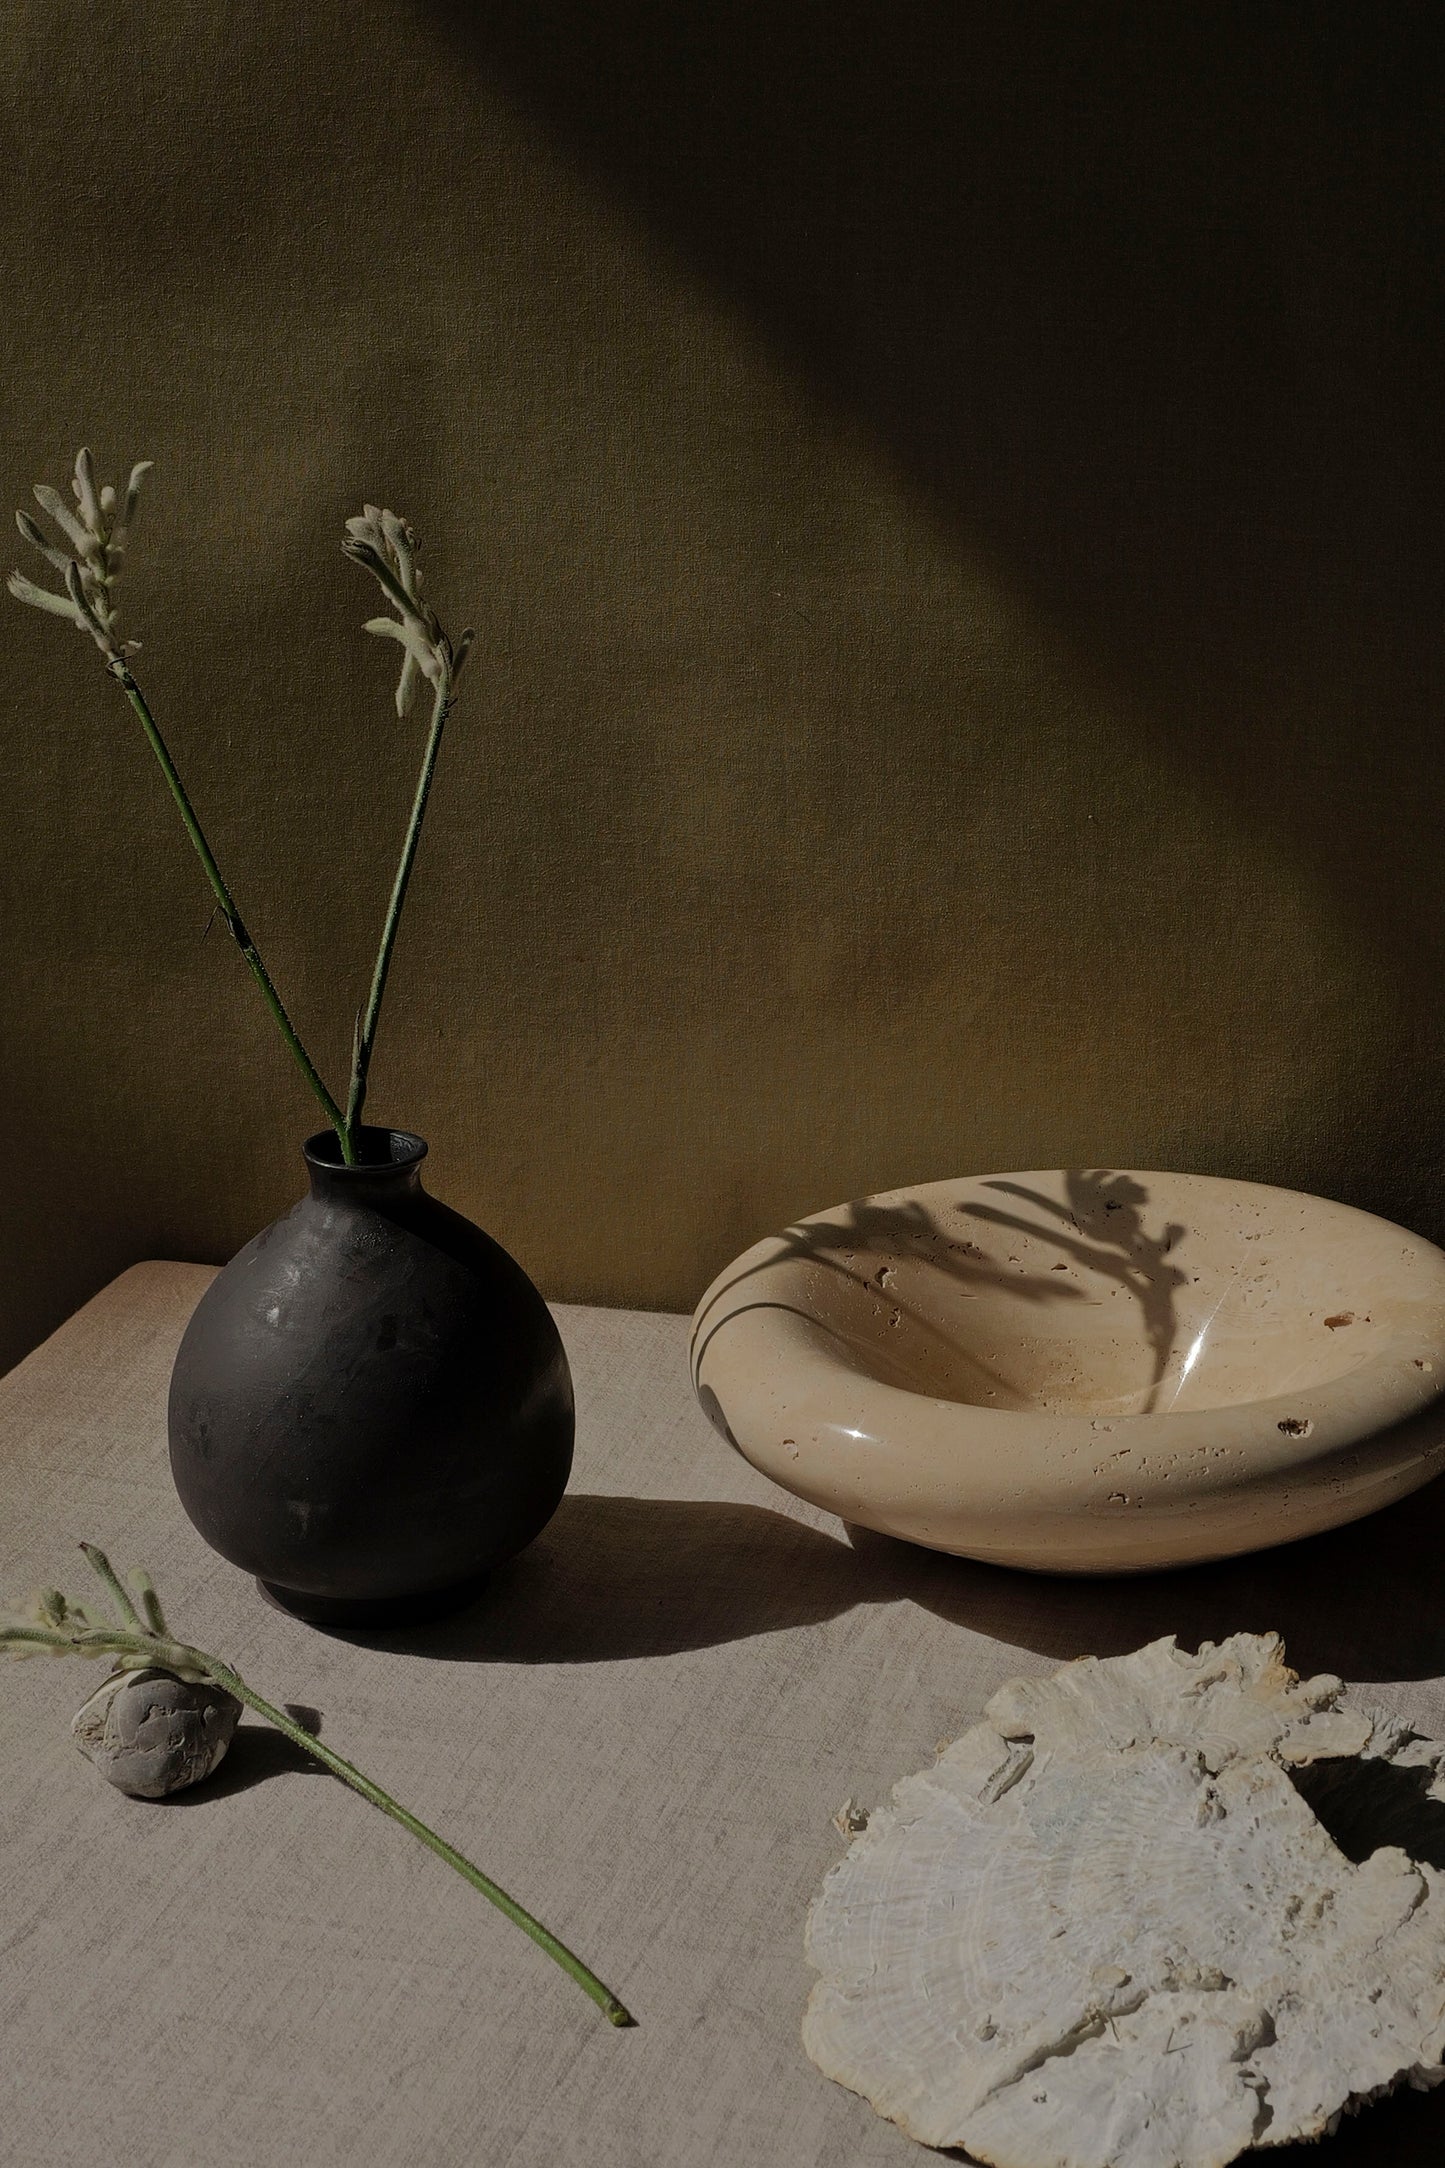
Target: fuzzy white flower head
<point>48,1617</point>
<point>386,546</point>
<point>89,567</point>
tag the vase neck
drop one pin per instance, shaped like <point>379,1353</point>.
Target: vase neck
<point>387,1169</point>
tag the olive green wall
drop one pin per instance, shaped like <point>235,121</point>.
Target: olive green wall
<point>950,499</point>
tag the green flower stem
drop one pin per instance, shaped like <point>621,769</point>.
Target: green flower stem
<point>231,915</point>
<point>135,1646</point>
<point>150,1603</point>
<point>571,1964</point>
<point>45,1637</point>
<point>101,1566</point>
<point>366,1036</point>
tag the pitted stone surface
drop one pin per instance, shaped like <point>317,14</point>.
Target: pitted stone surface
<point>1107,1931</point>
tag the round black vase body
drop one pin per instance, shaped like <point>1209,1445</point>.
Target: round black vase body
<point>371,1406</point>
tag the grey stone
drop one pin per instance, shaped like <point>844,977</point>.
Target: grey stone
<point>151,1733</point>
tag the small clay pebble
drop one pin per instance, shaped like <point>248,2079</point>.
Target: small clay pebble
<point>151,1733</point>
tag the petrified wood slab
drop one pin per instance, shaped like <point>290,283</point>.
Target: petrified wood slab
<point>1109,1929</point>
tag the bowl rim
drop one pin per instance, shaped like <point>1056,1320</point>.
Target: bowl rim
<point>1313,1402</point>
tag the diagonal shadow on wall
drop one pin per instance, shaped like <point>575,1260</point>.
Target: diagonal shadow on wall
<point>1149,303</point>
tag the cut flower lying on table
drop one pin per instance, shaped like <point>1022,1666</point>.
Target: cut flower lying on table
<point>139,1640</point>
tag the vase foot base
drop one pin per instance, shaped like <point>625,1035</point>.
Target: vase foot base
<point>347,1611</point>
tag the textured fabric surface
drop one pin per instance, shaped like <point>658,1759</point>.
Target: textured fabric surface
<point>643,1730</point>
<point>949,497</point>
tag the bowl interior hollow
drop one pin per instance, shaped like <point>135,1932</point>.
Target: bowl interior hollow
<point>1090,1292</point>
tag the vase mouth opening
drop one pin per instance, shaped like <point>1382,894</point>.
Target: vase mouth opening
<point>377,1150</point>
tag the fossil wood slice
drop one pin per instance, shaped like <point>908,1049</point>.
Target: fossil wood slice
<point>1107,1929</point>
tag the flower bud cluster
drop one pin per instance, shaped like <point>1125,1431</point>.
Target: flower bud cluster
<point>89,566</point>
<point>386,547</point>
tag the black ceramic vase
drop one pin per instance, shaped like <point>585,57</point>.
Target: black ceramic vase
<point>371,1406</point>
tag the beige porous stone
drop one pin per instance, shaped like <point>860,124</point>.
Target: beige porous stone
<point>1109,1930</point>
<point>1084,1371</point>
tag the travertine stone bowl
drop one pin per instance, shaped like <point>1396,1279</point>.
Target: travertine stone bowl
<point>1084,1371</point>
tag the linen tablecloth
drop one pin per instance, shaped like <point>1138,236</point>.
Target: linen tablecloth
<point>643,1730</point>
